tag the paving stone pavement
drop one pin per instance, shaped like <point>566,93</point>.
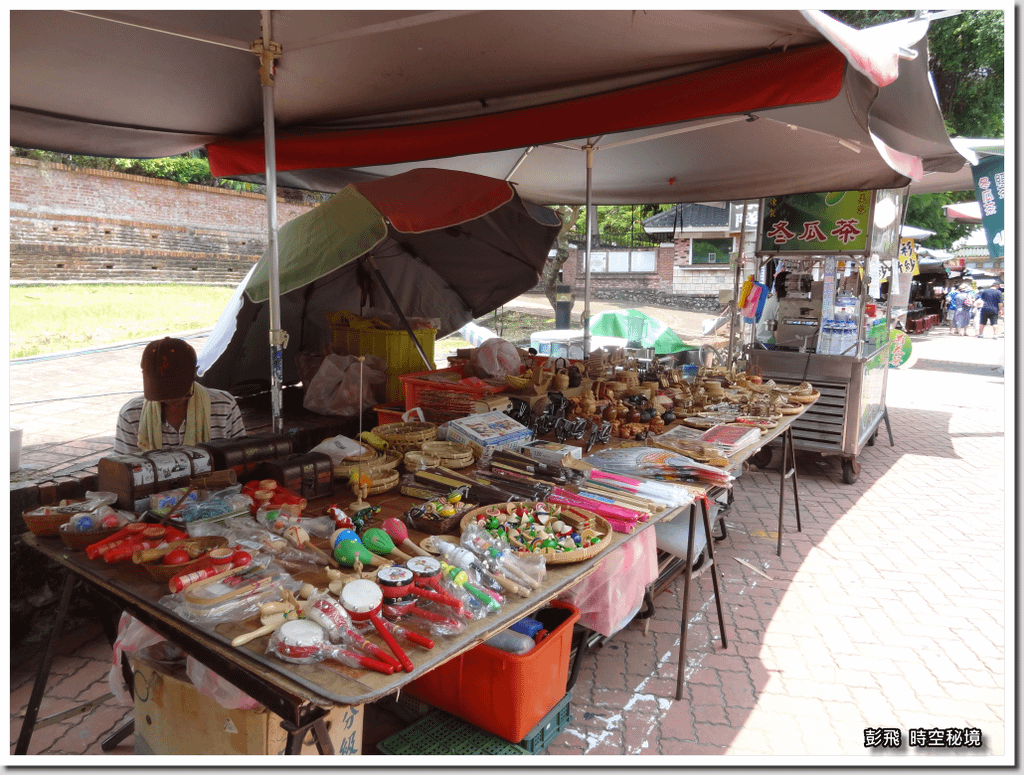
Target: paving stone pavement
<point>892,609</point>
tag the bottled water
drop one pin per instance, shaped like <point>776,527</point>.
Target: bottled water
<point>825,337</point>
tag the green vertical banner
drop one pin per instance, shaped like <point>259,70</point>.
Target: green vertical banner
<point>990,188</point>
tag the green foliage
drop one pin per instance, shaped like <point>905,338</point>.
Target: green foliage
<point>925,212</point>
<point>621,224</point>
<point>966,62</point>
<point>188,168</point>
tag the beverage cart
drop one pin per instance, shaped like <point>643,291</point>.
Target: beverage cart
<point>833,328</point>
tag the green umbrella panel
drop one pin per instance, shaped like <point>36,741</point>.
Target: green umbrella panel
<point>639,328</point>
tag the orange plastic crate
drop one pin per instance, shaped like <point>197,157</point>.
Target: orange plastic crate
<point>505,694</point>
<point>442,395</point>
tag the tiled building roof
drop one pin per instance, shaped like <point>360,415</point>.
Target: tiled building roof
<point>690,216</point>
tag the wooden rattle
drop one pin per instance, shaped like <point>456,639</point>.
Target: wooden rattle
<point>302,641</point>
<point>398,532</point>
<point>272,616</point>
<point>363,600</point>
<point>334,619</point>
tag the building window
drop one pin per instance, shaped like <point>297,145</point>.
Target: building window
<point>622,261</point>
<point>711,251</point>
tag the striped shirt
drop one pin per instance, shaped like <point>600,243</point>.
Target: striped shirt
<point>225,423</point>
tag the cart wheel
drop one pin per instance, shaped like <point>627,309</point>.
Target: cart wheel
<point>851,471</point>
<point>762,458</point>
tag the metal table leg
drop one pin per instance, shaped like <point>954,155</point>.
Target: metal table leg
<point>688,574</point>
<point>39,687</point>
<point>788,471</point>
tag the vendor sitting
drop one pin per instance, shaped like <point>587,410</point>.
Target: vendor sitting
<point>174,409</point>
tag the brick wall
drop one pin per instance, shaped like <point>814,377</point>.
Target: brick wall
<point>70,225</point>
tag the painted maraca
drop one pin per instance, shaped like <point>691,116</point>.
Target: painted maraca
<point>395,528</point>
<point>380,543</point>
<point>348,551</point>
<point>344,534</point>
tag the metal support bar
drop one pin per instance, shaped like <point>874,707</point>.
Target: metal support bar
<point>788,471</point>
<point>43,673</point>
<point>372,264</point>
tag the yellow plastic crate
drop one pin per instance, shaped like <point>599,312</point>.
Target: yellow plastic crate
<point>395,347</point>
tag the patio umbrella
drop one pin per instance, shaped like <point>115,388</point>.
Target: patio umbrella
<point>639,328</point>
<point>447,245</point>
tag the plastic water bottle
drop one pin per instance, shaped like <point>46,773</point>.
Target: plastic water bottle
<point>825,338</point>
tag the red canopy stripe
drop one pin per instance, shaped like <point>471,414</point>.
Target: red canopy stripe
<point>414,204</point>
<point>799,76</point>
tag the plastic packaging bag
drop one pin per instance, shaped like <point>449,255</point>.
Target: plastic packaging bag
<point>610,596</point>
<point>339,448</point>
<point>339,389</point>
<point>496,358</point>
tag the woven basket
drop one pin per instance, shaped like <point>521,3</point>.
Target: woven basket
<point>434,524</point>
<point>74,539</point>
<point>450,454</point>
<point>386,481</point>
<point>163,573</point>
<point>417,460</point>
<point>385,461</point>
<point>570,514</point>
<point>406,436</point>
<point>808,399</point>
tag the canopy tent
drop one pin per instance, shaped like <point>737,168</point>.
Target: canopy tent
<point>448,245</point>
<point>728,104</point>
<point>679,105</point>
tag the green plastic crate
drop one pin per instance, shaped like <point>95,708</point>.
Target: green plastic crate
<point>442,734</point>
<point>551,726</point>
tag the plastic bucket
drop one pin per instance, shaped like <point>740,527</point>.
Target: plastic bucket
<point>15,449</point>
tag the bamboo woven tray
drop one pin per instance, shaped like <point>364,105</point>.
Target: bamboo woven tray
<point>384,482</point>
<point>384,461</point>
<point>577,517</point>
<point>406,436</point>
<point>449,453</point>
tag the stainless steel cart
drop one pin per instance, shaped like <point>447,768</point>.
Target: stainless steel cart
<point>851,407</point>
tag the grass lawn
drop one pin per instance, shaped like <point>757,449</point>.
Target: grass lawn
<point>56,318</point>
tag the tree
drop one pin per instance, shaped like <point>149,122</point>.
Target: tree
<point>966,60</point>
<point>549,277</point>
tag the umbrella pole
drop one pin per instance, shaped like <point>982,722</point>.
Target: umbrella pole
<point>372,264</point>
<point>586,261</point>
<point>278,338</point>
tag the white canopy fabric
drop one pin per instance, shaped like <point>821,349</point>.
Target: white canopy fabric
<point>679,105</point>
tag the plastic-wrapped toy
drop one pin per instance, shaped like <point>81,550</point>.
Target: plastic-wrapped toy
<point>303,642</point>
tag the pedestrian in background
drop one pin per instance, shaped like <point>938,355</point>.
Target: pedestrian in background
<point>991,310</point>
<point>960,310</point>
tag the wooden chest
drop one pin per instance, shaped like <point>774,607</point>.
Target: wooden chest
<point>244,456</point>
<point>311,474</point>
<point>133,478</point>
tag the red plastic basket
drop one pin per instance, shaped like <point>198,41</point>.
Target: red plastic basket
<point>442,395</point>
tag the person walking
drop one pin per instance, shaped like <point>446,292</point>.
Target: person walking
<point>991,310</point>
<point>961,309</point>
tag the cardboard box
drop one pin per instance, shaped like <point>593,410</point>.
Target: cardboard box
<point>173,718</point>
<point>488,431</point>
<point>551,451</point>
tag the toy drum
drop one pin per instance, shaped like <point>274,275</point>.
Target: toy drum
<point>299,641</point>
<point>396,584</point>
<point>329,615</point>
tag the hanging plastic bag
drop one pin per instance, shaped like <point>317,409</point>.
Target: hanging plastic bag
<point>343,386</point>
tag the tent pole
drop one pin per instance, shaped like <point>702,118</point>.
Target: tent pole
<point>589,148</point>
<point>736,288</point>
<point>267,51</point>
